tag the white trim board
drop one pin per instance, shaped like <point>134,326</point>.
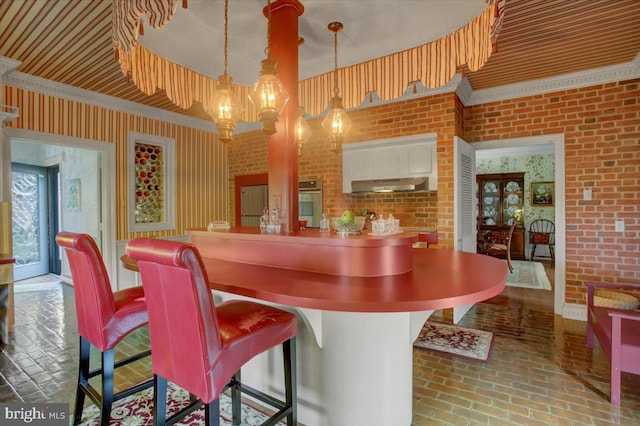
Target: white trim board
<point>574,311</point>
<point>168,194</point>
<point>41,85</point>
<point>610,74</point>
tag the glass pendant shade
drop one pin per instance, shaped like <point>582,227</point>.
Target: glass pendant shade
<point>302,131</point>
<point>337,123</point>
<point>269,96</point>
<point>226,109</point>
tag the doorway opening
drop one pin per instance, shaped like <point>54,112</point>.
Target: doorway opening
<point>252,196</point>
<point>85,167</point>
<point>555,143</point>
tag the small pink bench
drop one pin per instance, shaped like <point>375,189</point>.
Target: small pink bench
<point>618,332</point>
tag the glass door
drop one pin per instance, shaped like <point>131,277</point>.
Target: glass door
<point>29,221</point>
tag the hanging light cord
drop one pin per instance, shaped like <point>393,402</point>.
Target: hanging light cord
<point>335,63</point>
<point>268,49</point>
<point>226,32</point>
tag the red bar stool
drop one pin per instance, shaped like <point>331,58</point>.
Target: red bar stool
<point>202,347</point>
<point>104,318</point>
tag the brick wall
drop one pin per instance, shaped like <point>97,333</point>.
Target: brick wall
<point>430,114</point>
<point>601,125</point>
<point>247,155</point>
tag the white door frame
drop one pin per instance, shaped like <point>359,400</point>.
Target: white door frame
<point>460,148</point>
<point>108,151</point>
<point>559,305</point>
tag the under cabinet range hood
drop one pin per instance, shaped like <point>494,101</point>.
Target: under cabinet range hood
<point>390,185</point>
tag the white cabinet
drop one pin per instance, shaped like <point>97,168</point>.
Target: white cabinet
<point>403,157</point>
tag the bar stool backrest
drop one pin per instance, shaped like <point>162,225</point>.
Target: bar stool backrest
<point>183,325</point>
<point>95,305</point>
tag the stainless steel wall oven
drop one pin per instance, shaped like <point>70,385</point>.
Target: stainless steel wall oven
<point>310,202</point>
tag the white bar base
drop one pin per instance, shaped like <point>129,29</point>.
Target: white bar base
<point>361,376</point>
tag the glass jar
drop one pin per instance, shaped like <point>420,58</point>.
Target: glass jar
<point>324,223</point>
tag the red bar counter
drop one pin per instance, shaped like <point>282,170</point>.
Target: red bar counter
<point>310,250</point>
<point>357,327</point>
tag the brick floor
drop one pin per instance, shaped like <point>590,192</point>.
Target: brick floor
<point>540,371</point>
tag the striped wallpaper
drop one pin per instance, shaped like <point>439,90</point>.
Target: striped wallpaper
<point>201,161</point>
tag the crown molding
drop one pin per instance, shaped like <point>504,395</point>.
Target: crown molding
<point>42,85</point>
<point>8,113</point>
<point>8,65</point>
<point>458,84</point>
<point>464,91</point>
<point>610,74</point>
<point>415,90</point>
<point>374,100</point>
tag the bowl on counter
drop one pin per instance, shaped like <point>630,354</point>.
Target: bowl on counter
<point>352,227</point>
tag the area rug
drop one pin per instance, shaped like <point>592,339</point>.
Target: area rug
<point>528,275</point>
<point>137,410</point>
<point>466,342</point>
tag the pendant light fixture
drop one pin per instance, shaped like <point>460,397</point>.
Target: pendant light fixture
<point>226,109</point>
<point>337,123</point>
<point>302,131</point>
<point>269,95</point>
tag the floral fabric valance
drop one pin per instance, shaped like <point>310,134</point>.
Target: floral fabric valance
<point>433,64</point>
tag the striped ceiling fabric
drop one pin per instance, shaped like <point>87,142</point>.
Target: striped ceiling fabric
<point>548,38</point>
<point>70,42</point>
<point>434,64</point>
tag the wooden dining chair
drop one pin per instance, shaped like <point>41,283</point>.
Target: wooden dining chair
<point>542,232</point>
<point>500,246</point>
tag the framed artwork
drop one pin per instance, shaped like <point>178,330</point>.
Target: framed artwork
<point>72,195</point>
<point>542,194</point>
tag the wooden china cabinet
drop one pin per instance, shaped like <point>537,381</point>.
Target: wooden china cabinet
<point>500,202</point>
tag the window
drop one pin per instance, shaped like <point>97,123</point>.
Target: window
<point>150,182</point>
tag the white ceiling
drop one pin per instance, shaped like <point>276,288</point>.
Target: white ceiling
<point>194,37</point>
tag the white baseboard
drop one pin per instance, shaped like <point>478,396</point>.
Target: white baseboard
<point>574,311</point>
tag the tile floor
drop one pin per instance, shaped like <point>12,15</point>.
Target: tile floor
<point>539,373</point>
